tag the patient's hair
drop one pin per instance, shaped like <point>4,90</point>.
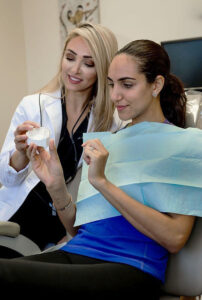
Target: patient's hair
<point>153,60</point>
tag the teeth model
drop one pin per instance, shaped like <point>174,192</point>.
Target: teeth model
<point>39,136</point>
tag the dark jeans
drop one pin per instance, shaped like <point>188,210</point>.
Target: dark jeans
<point>63,274</point>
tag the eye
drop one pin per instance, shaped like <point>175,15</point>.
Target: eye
<point>69,58</point>
<point>110,84</point>
<point>127,85</point>
<point>89,64</point>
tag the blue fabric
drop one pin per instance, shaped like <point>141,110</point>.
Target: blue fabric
<point>116,240</point>
<point>155,163</point>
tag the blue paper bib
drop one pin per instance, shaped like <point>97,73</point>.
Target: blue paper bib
<point>157,164</point>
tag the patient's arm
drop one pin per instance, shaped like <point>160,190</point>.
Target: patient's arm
<point>169,230</point>
<point>48,168</point>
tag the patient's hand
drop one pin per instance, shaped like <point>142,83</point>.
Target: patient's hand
<point>46,165</point>
<point>95,155</point>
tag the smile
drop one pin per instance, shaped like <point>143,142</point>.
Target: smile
<point>74,80</point>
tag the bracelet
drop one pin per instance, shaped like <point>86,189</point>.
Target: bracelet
<point>66,206</point>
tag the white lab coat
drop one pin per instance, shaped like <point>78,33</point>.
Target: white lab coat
<point>17,185</point>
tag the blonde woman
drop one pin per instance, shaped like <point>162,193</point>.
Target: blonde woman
<point>74,102</point>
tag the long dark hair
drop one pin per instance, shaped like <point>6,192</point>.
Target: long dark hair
<point>153,60</point>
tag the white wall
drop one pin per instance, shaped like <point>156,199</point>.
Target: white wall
<point>13,83</point>
<point>42,41</point>
<point>158,20</point>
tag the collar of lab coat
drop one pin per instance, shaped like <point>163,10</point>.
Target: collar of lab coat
<point>52,113</point>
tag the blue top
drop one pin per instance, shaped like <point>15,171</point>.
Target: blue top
<point>116,240</point>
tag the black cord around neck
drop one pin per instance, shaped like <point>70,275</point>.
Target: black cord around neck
<point>72,133</point>
<point>81,114</point>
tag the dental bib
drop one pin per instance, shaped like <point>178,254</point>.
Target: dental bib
<point>159,165</point>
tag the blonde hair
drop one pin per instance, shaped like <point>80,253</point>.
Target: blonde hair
<point>103,45</point>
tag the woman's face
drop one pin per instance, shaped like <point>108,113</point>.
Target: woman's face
<point>129,90</point>
<point>78,68</point>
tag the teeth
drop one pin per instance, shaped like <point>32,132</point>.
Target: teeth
<point>74,79</point>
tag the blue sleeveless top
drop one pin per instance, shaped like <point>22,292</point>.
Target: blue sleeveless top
<point>116,240</point>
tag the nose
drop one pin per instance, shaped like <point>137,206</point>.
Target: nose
<point>115,94</point>
<point>76,67</point>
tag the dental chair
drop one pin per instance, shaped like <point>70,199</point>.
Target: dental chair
<point>184,271</point>
<point>14,244</point>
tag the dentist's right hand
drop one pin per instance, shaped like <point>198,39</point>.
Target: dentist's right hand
<point>21,137</point>
<point>19,159</point>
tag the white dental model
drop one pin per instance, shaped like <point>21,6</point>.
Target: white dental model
<point>39,136</point>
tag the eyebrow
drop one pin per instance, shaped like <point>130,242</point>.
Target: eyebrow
<point>122,78</point>
<point>85,56</point>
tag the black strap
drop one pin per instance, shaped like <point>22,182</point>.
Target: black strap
<point>71,137</point>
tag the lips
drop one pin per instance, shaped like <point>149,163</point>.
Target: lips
<point>121,107</point>
<point>74,80</point>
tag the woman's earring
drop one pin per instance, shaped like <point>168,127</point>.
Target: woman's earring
<point>154,94</point>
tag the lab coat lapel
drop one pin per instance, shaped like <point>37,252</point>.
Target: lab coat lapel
<point>52,115</point>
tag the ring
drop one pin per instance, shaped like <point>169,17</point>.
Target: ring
<point>92,148</point>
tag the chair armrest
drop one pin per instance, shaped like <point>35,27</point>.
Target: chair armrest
<point>11,238</point>
<point>9,229</point>
<point>184,272</point>
<point>20,244</point>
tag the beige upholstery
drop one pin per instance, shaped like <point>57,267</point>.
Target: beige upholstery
<point>11,238</point>
<point>184,272</point>
<point>194,109</point>
<point>20,244</point>
<point>9,229</point>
